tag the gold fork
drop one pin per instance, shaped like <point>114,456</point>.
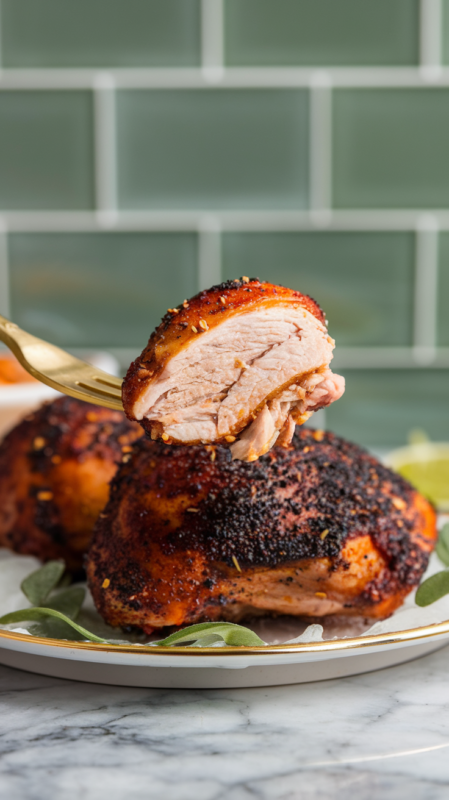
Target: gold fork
<point>59,369</point>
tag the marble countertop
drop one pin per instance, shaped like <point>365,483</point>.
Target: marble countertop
<point>379,735</point>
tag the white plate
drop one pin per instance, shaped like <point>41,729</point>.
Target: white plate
<point>294,652</point>
<point>212,668</point>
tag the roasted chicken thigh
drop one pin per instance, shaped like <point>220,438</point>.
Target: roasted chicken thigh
<point>239,364</point>
<point>319,528</point>
<point>55,468</point>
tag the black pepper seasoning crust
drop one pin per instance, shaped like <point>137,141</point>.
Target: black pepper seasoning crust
<point>291,505</point>
<point>347,498</point>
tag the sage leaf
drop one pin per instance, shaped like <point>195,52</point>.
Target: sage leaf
<point>206,641</point>
<point>228,632</point>
<point>37,614</point>
<point>68,602</point>
<point>444,534</point>
<point>442,547</point>
<point>38,585</point>
<point>52,628</point>
<point>432,589</point>
<point>442,552</point>
<point>65,581</point>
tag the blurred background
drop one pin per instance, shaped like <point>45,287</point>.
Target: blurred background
<point>151,148</point>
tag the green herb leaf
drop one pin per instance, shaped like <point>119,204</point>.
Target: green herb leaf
<point>432,589</point>
<point>228,632</point>
<point>442,552</point>
<point>443,536</point>
<point>68,602</point>
<point>65,581</point>
<point>442,548</point>
<point>37,586</point>
<point>206,641</point>
<point>52,628</point>
<point>28,614</point>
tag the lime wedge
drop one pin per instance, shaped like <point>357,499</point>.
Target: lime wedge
<point>426,466</point>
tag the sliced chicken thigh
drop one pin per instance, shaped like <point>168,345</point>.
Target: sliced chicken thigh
<point>239,364</point>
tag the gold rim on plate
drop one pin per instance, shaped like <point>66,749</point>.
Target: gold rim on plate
<point>413,634</point>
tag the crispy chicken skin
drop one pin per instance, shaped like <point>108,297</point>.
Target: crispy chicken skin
<point>239,364</point>
<point>55,468</point>
<point>319,528</point>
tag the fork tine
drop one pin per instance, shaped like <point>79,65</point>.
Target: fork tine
<point>95,386</point>
<point>100,392</point>
<point>112,381</point>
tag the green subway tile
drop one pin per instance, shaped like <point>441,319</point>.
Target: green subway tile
<point>46,151</point>
<point>390,148</point>
<point>221,149</point>
<point>445,31</point>
<point>380,407</point>
<point>321,32</point>
<point>100,33</point>
<point>99,289</point>
<point>443,293</point>
<point>363,281</point>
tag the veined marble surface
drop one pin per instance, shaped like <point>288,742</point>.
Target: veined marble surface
<point>379,735</point>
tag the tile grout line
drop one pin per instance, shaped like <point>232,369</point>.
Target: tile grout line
<point>426,290</point>
<point>212,56</point>
<point>226,77</point>
<point>209,252</point>
<point>5,304</point>
<point>350,220</point>
<point>430,44</point>
<point>105,150</point>
<point>1,37</point>
<point>212,40</point>
<point>320,147</point>
<point>240,220</point>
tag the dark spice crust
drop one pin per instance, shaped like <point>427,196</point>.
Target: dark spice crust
<point>55,467</point>
<point>291,506</point>
<point>211,306</point>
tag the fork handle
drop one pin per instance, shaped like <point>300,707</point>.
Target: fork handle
<point>14,338</point>
<point>4,325</point>
<point>22,343</point>
<point>9,335</point>
<point>49,364</point>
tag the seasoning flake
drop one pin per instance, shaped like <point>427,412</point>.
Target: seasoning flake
<point>236,564</point>
<point>45,495</point>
